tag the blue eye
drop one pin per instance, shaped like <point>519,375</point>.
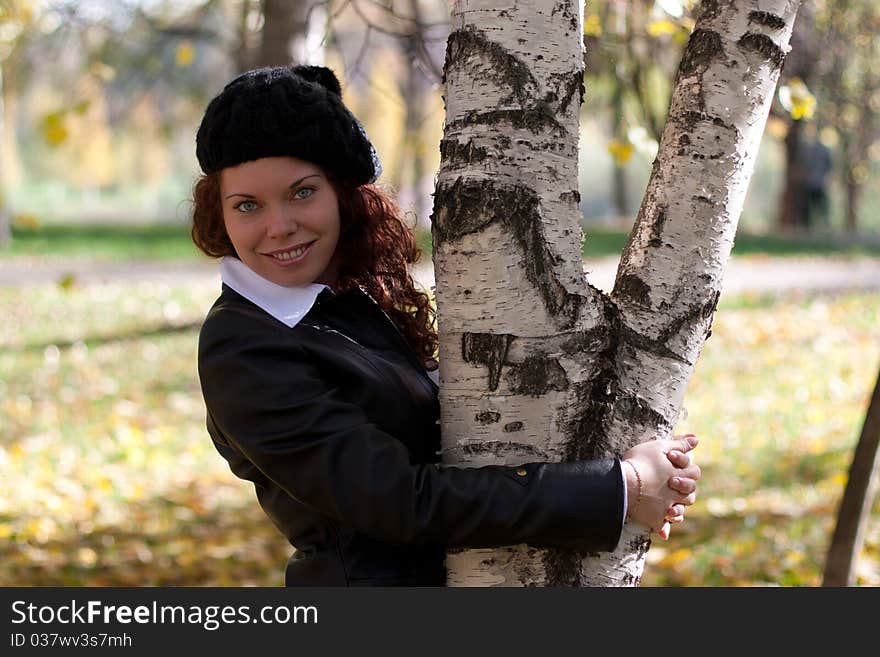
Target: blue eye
<point>305,192</point>
<point>246,206</point>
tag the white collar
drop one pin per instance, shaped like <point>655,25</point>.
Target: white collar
<point>286,304</point>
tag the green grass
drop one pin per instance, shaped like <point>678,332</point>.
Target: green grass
<point>110,479</point>
<point>160,241</point>
<point>171,241</point>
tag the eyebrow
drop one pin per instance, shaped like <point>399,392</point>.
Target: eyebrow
<point>292,185</point>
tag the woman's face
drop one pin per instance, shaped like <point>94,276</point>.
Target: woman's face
<point>282,216</point>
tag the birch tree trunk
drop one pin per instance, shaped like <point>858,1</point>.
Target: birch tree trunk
<point>535,363</point>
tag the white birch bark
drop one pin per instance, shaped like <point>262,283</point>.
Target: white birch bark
<point>516,318</point>
<point>536,364</point>
<point>671,271</point>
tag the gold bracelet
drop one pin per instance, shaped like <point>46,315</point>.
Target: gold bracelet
<point>639,493</point>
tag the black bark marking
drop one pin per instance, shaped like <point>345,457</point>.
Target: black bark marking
<point>459,210</point>
<point>711,9</point>
<point>690,119</point>
<point>563,567</point>
<point>586,341</point>
<point>468,206</point>
<point>657,226</point>
<point>639,545</point>
<point>487,350</point>
<point>512,427</point>
<point>684,140</point>
<point>457,153</point>
<point>575,86</point>
<point>637,409</point>
<point>766,18</point>
<point>764,46</point>
<point>565,8</point>
<point>521,451</point>
<point>528,230</point>
<point>703,48</point>
<point>656,346</point>
<point>633,288</point>
<point>594,399</point>
<point>487,417</point>
<point>535,119</point>
<point>574,196</point>
<point>506,69</point>
<point>536,376</point>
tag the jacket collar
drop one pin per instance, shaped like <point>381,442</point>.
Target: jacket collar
<point>286,304</point>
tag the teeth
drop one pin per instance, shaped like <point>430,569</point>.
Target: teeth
<point>290,255</point>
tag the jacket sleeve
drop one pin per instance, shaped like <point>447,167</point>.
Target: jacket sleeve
<point>299,431</point>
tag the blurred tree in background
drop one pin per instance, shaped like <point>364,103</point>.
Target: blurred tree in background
<point>102,99</point>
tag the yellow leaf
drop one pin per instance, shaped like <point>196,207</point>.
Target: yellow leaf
<point>54,130</point>
<point>804,108</point>
<point>592,25</point>
<point>661,27</point>
<point>797,99</point>
<point>677,557</point>
<point>67,281</point>
<point>185,54</point>
<point>26,221</point>
<point>621,151</point>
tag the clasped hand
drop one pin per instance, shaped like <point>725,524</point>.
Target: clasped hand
<point>661,481</point>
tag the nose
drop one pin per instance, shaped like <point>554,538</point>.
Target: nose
<point>281,222</point>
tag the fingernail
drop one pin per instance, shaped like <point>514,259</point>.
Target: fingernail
<point>693,440</point>
<point>674,453</point>
<point>676,481</point>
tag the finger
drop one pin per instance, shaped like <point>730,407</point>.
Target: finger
<point>686,442</point>
<point>675,510</point>
<point>664,531</point>
<point>683,485</point>
<point>678,459</point>
<point>692,471</point>
<point>675,519</point>
<point>687,500</point>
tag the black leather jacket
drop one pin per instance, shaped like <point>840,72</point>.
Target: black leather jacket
<point>336,423</point>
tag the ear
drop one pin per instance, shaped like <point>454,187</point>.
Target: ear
<point>320,75</point>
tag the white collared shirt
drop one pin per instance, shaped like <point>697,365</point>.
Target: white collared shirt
<point>286,304</point>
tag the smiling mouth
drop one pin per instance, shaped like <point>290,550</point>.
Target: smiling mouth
<point>289,255</point>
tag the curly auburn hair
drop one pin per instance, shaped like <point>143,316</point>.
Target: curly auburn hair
<point>375,248</point>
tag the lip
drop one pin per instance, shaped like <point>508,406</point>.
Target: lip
<point>292,261</point>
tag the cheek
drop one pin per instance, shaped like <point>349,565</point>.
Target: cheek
<point>228,229</point>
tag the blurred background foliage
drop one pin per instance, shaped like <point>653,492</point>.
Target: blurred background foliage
<point>108,476</point>
<point>101,100</point>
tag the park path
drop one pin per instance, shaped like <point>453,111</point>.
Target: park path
<point>743,274</point>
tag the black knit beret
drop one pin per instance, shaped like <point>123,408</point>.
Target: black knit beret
<point>279,111</point>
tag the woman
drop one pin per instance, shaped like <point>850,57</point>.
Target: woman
<point>314,362</point>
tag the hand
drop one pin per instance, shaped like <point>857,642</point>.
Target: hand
<point>679,483</point>
<point>661,482</point>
